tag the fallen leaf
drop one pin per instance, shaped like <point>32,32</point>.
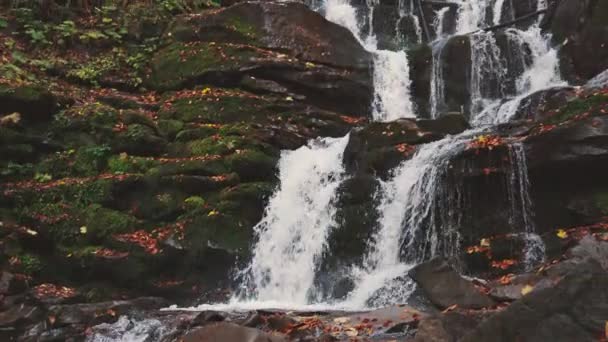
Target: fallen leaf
<point>83,230</point>
<point>526,289</point>
<point>351,332</point>
<point>341,320</point>
<point>485,243</point>
<point>562,234</point>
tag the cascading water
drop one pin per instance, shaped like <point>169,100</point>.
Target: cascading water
<point>410,222</point>
<point>489,69</point>
<point>293,233</point>
<point>521,205</point>
<point>391,69</point>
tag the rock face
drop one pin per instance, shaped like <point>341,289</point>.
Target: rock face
<point>584,53</point>
<point>444,287</point>
<point>575,309</point>
<point>318,59</point>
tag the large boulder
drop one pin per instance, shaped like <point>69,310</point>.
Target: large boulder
<point>286,43</point>
<point>573,310</point>
<point>444,287</point>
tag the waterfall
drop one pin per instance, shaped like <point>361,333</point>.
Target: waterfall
<point>438,22</point>
<point>522,213</point>
<point>437,98</point>
<point>419,218</point>
<point>391,73</point>
<point>292,235</point>
<point>540,73</point>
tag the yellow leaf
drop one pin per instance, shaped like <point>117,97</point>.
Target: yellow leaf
<point>527,289</point>
<point>212,213</point>
<point>310,65</point>
<point>341,320</point>
<point>485,243</point>
<point>562,234</point>
<point>351,332</point>
<point>206,91</point>
<point>83,230</point>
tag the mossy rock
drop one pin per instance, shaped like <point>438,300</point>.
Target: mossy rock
<point>219,231</point>
<point>123,163</point>
<point>170,128</point>
<point>33,103</point>
<point>252,165</point>
<point>139,140</point>
<point>591,105</point>
<point>250,199</point>
<point>179,64</point>
<point>88,124</point>
<point>101,223</point>
<point>190,167</point>
<point>220,107</point>
<point>195,133</point>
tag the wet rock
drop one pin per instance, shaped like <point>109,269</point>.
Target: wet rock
<point>228,332</point>
<point>444,287</point>
<point>96,313</point>
<point>537,105</point>
<point>584,39</point>
<point>20,315</point>
<point>573,310</point>
<point>599,81</point>
<point>456,61</point>
<point>421,60</point>
<point>207,317</point>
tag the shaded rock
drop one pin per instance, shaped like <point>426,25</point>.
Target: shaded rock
<point>573,310</point>
<point>228,332</point>
<point>455,63</point>
<point>447,327</point>
<point>34,104</point>
<point>421,60</point>
<point>10,284</point>
<point>206,317</point>
<point>19,315</point>
<point>585,39</point>
<point>444,287</point>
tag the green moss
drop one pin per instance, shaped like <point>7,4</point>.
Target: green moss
<point>30,264</point>
<point>101,223</point>
<point>170,128</point>
<point>252,165</point>
<point>193,167</point>
<point>179,63</point>
<point>243,28</point>
<point>216,145</point>
<point>124,163</point>
<point>219,109</point>
<point>590,105</point>
<point>195,133</point>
